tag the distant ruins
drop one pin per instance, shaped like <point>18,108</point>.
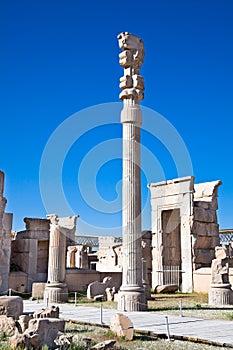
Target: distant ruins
<point>183,240</point>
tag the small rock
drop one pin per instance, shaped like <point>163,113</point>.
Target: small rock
<point>107,344</point>
<point>49,312</point>
<point>166,288</point>
<point>63,340</point>
<point>122,326</point>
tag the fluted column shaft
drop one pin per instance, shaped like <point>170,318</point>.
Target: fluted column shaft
<point>131,193</point>
<point>57,254</point>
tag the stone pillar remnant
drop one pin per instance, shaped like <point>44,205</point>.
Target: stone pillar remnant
<point>220,292</point>
<point>60,228</point>
<point>132,293</point>
<point>5,238</point>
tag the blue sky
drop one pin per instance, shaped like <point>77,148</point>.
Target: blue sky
<point>60,57</point>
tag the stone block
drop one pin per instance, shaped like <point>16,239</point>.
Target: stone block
<point>205,215</point>
<point>206,242</point>
<point>48,312</point>
<point>172,187</point>
<point>202,204</point>
<point>166,288</point>
<point>43,331</point>
<point>121,326</point>
<point>205,229</point>
<point>206,190</point>
<point>38,290</point>
<point>203,256</point>
<point>11,306</point>
<point>35,224</point>
<point>96,288</point>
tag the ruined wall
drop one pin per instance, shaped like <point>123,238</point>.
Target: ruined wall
<point>205,229</point>
<point>30,251</point>
<point>184,224</point>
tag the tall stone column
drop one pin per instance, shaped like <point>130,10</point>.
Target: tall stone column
<point>60,228</point>
<point>132,293</point>
<point>5,238</point>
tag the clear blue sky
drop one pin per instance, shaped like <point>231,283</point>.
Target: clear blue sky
<point>59,57</point>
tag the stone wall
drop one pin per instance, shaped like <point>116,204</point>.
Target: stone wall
<point>185,229</point>
<point>30,251</point>
<point>205,229</point>
<point>78,280</point>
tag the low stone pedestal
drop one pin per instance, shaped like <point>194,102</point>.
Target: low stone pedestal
<point>220,294</point>
<point>56,292</point>
<point>132,300</point>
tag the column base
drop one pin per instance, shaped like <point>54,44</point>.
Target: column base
<point>132,300</point>
<point>220,294</point>
<point>56,292</point>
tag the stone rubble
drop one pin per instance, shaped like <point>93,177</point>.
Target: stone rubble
<point>121,326</point>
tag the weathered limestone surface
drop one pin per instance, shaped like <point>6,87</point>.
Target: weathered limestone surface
<point>77,256</point>
<point>5,238</point>
<point>11,306</point>
<point>132,293</point>
<point>48,312</point>
<point>97,288</point>
<point>7,325</point>
<point>205,229</point>
<point>122,326</point>
<point>38,290</point>
<point>30,250</point>
<point>43,331</point>
<point>60,228</point>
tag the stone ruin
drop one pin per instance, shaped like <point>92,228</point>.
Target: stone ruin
<point>220,292</point>
<point>60,229</point>
<point>29,257</point>
<point>185,230</point>
<point>77,256</point>
<point>5,239</point>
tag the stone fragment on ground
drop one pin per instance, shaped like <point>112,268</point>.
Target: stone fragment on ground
<point>23,322</point>
<point>11,306</point>
<point>166,288</point>
<point>7,325</point>
<point>48,312</point>
<point>107,344</point>
<point>121,326</point>
<point>41,331</point>
<point>97,288</point>
<point>63,341</point>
